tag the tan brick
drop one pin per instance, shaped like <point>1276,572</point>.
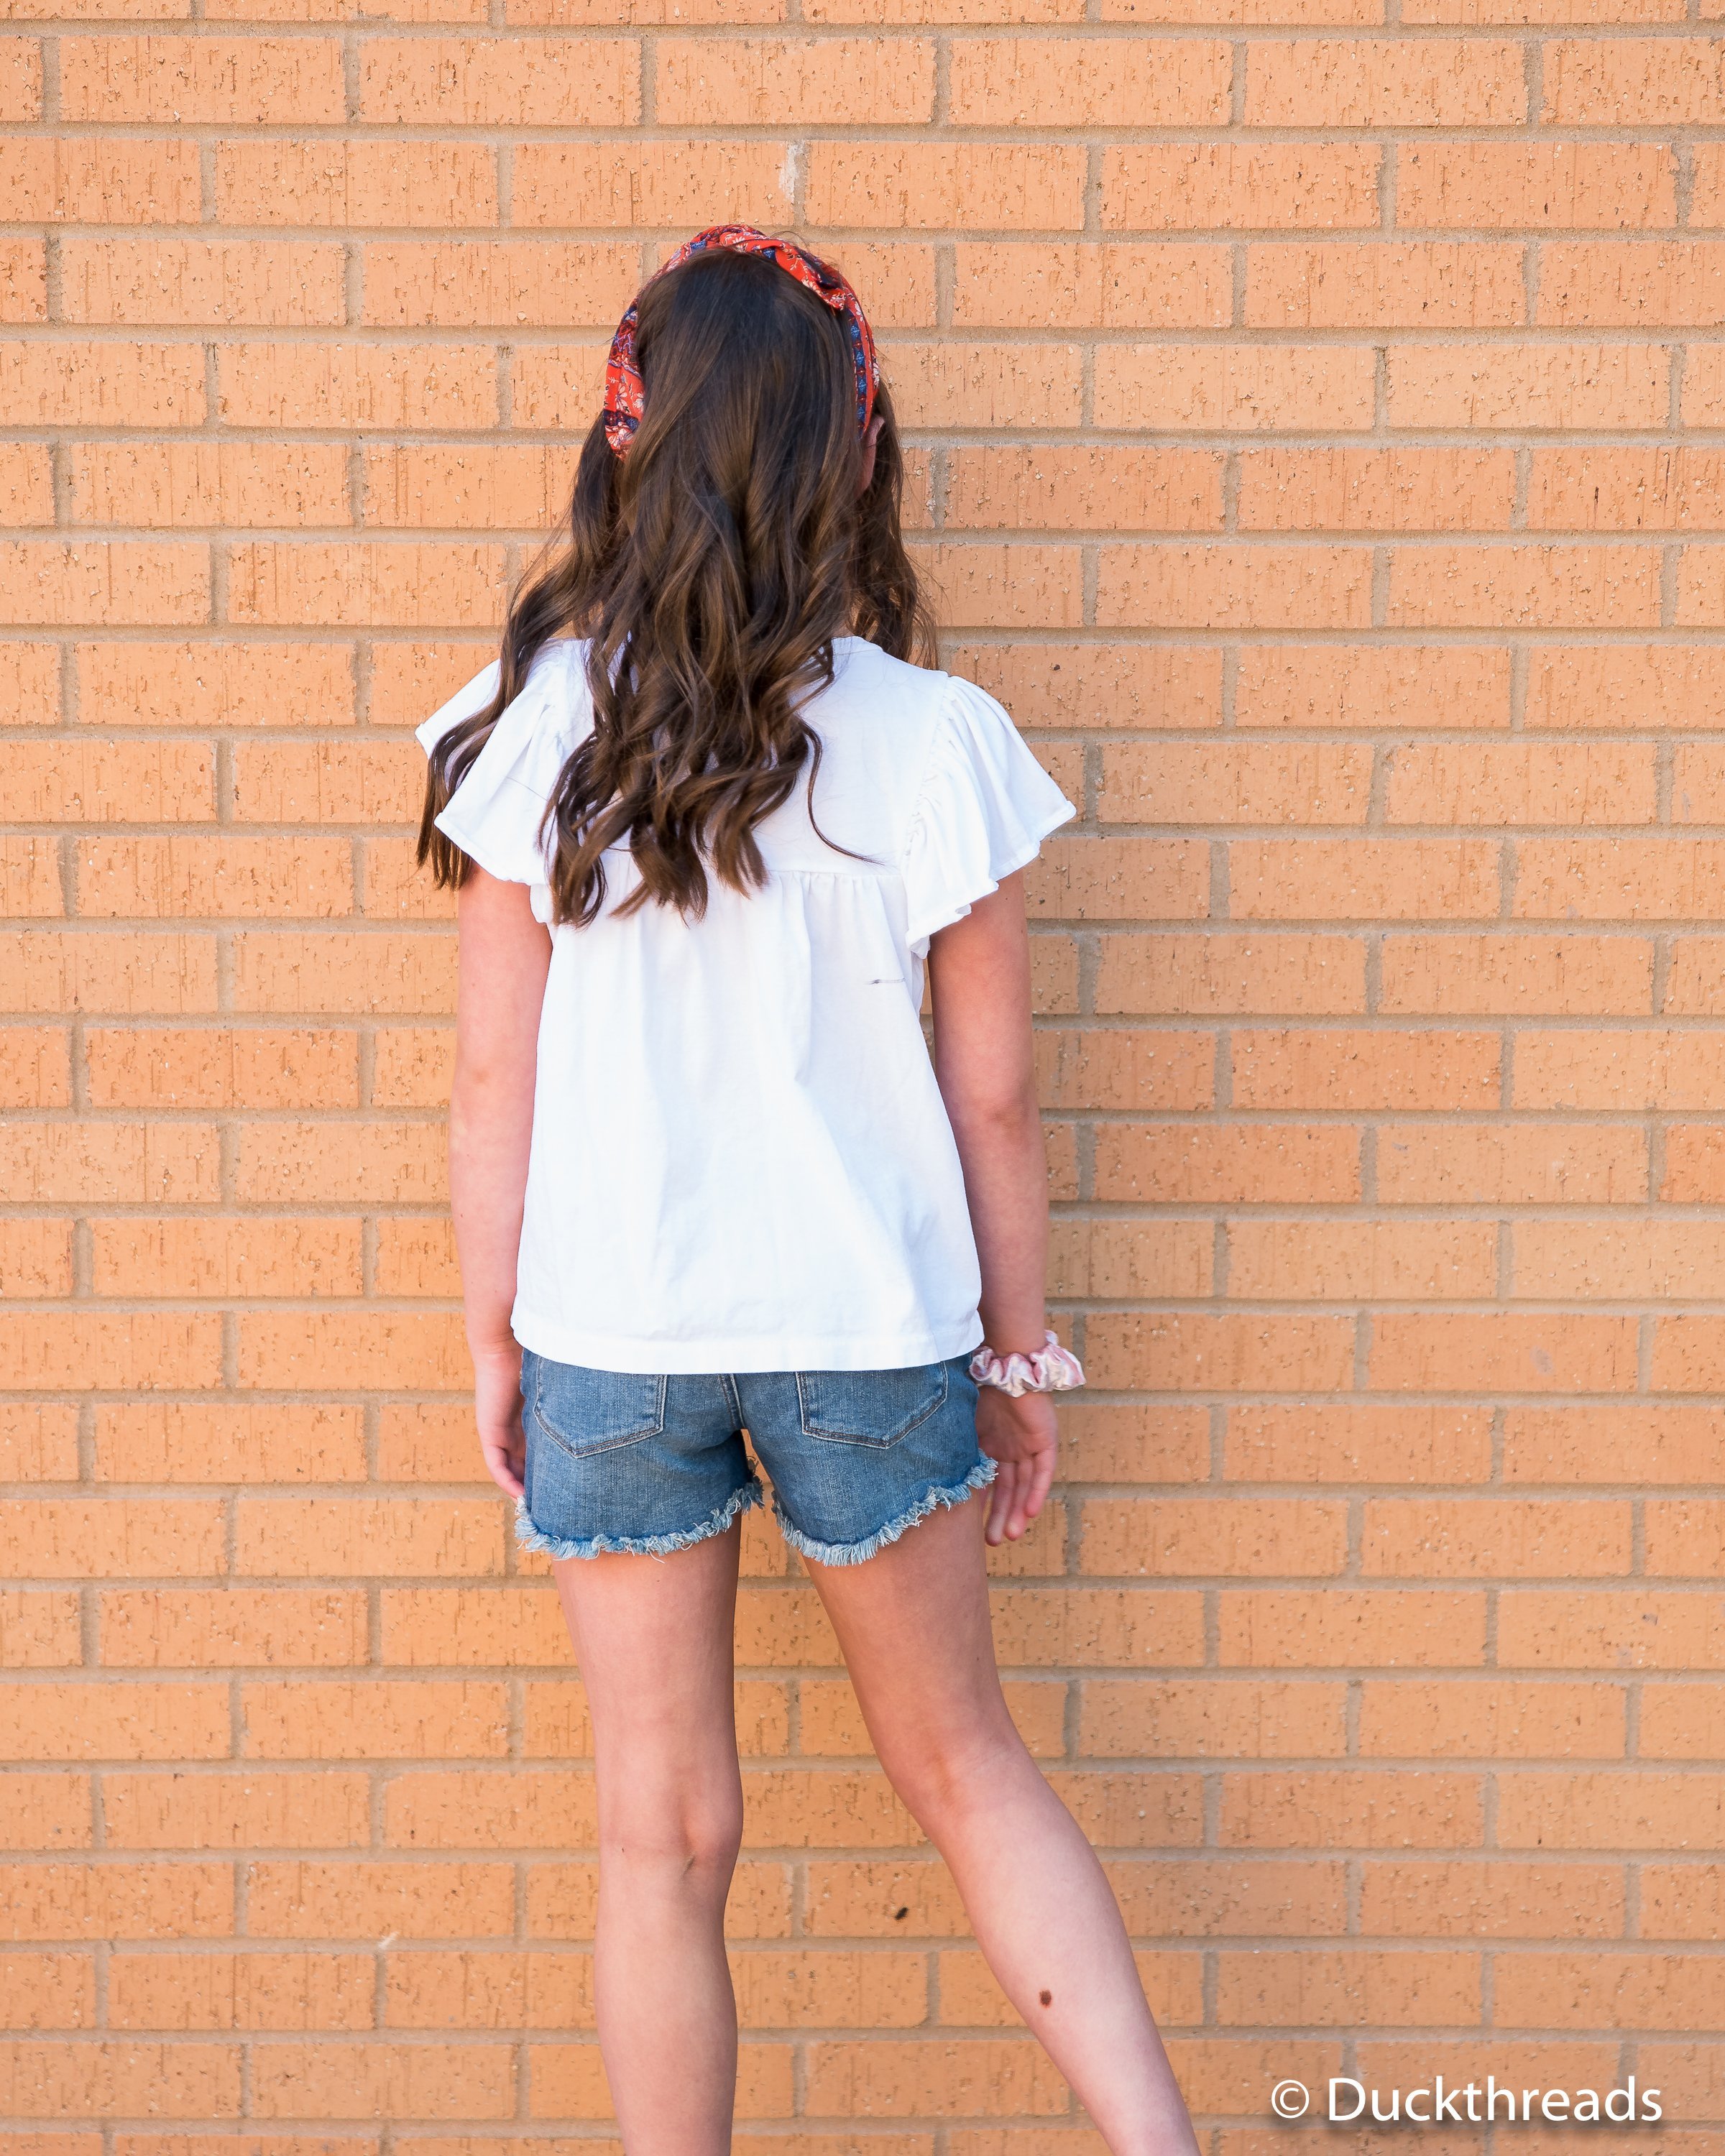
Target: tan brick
<point>356,386</point>
<point>1238,388</point>
<point>1285,489</point>
<point>1328,285</point>
<point>26,483</point>
<point>1040,82</point>
<point>1354,879</point>
<point>382,2080</point>
<point>163,485</point>
<point>925,186</point>
<point>293,283</point>
<point>1503,1352</point>
<point>99,179</point>
<point>1509,1164</point>
<point>208,876</point>
<point>479,82</point>
<point>293,973</point>
<point>198,1627</point>
<point>60,583</point>
<point>39,1629</point>
<point>38,1444</point>
<point>431,284</point>
<point>227,1259</point>
<point>1342,1627</point>
<point>240,1991</point>
<point>259,683</point>
<point>1655,1067</point>
<point>327,181</point>
<point>73,1721</point>
<point>74,1351</point>
<point>30,680</point>
<point>335,1162</point>
<point>126,1164</point>
<point>1229,1164</point>
<point>1350,1988</point>
<point>208,81</point>
<point>1212,974</point>
<point>1065,286</point>
<point>772,81</point>
<point>1367,82</point>
<point>1477,1898</point>
<point>1406,686</point>
<point>561,385</point>
<point>285,1536</point>
<point>332,1718</point>
<point>1154,187</point>
<point>1524,386</point>
<point>1235,782</point>
<point>650,183</point>
<point>363,1900</point>
<point>1527,586</point>
<point>1629,81</point>
<point>1084,685</point>
<point>1571,1445</point>
<point>242,1811</point>
<point>1234,587</point>
<point>1168,1537</point>
<point>1571,974</point>
<point>1338,1443</point>
<point>412,1067</point>
<point>1196,1351</point>
<point>1366,1261</point>
<point>402,584</point>
<point>984,385</point>
<point>1546,187</point>
<point>43,1812</point>
<point>1352,1807</point>
<point>48,1991</point>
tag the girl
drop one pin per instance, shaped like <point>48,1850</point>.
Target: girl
<point>710,818</point>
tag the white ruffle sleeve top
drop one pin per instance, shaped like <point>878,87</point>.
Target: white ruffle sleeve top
<point>740,1159</point>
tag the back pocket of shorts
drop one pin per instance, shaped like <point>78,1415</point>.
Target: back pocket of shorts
<point>869,1407</point>
<point>587,1411</point>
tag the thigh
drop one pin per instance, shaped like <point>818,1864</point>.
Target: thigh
<point>654,1637</point>
<point>913,1624</point>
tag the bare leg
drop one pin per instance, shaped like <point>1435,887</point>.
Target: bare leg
<point>654,1636</point>
<point>913,1622</point>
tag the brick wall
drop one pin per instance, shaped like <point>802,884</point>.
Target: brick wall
<point>1317,421</point>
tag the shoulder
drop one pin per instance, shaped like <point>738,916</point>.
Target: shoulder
<point>551,703</point>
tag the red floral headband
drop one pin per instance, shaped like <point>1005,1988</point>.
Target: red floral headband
<point>624,397</point>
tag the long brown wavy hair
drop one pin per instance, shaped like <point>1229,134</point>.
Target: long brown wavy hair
<point>711,569</point>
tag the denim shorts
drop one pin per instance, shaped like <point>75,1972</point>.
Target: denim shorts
<point>643,1465</point>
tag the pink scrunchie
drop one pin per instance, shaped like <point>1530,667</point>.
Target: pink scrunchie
<point>1054,1369</point>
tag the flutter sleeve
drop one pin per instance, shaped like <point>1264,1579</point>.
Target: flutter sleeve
<point>495,814</point>
<point>984,808</point>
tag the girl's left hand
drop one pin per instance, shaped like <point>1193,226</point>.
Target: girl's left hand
<point>1020,1433</point>
<point>497,1407</point>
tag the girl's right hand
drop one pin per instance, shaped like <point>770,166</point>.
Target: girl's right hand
<point>497,1407</point>
<point>1022,1435</point>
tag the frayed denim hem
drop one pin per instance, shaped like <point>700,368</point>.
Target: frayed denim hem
<point>934,1499</point>
<point>739,1501</point>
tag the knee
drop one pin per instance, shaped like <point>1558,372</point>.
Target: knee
<point>678,1837</point>
<point>947,1775</point>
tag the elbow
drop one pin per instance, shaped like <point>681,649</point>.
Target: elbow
<point>1007,1114</point>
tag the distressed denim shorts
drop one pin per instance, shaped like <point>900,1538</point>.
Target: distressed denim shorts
<point>644,1464</point>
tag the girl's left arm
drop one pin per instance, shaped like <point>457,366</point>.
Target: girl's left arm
<point>505,955</point>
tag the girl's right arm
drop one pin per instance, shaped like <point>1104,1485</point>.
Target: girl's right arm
<point>505,955</point>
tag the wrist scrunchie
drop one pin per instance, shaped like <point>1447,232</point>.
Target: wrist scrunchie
<point>624,397</point>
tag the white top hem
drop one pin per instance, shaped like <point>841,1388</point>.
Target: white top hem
<point>661,1357</point>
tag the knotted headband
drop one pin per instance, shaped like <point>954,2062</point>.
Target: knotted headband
<point>624,397</point>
